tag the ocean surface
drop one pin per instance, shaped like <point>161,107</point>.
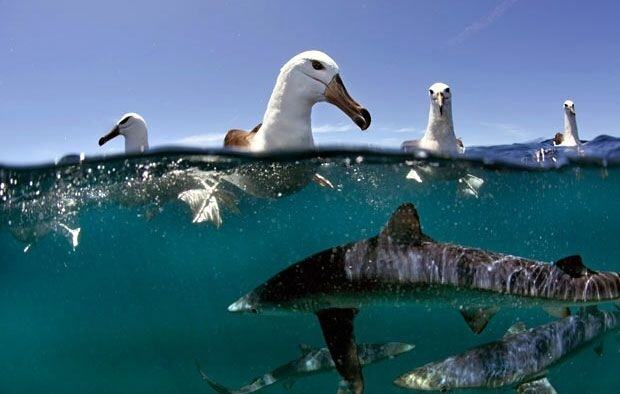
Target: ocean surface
<point>141,293</point>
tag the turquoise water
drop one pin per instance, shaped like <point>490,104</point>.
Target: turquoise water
<point>145,293</point>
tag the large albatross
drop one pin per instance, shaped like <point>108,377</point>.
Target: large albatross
<point>308,78</point>
<point>439,136</point>
<point>569,137</point>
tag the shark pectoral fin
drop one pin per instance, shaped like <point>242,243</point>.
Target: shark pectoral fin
<point>539,386</point>
<point>478,318</point>
<point>404,226</point>
<point>337,326</point>
<point>559,312</point>
<point>516,328</point>
<point>288,385</point>
<point>218,388</point>
<point>574,267</point>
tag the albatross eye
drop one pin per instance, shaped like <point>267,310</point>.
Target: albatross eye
<point>447,90</point>
<point>125,120</point>
<point>431,91</point>
<point>317,65</point>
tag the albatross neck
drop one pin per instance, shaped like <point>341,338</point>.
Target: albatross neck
<point>571,137</point>
<point>136,142</point>
<point>287,121</point>
<point>440,129</point>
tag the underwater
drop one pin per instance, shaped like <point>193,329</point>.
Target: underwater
<point>112,282</point>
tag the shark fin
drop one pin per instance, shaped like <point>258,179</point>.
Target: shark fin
<point>574,267</point>
<point>404,226</point>
<point>288,384</point>
<point>218,388</point>
<point>305,349</point>
<point>599,349</point>
<point>516,328</point>
<point>337,327</point>
<point>478,318</point>
<point>539,386</point>
<point>559,312</point>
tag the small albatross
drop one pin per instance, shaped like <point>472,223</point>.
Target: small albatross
<point>200,190</point>
<point>569,137</point>
<point>133,128</point>
<point>439,136</point>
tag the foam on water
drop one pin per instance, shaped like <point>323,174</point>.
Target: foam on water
<point>145,292</point>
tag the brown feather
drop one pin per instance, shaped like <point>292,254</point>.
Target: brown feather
<point>240,138</point>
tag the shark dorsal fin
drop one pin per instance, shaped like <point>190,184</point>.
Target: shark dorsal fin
<point>574,267</point>
<point>404,226</point>
<point>516,328</point>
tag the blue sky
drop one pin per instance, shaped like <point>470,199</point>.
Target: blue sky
<point>194,69</point>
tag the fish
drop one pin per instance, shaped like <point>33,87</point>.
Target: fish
<point>312,361</point>
<point>402,265</point>
<point>520,359</point>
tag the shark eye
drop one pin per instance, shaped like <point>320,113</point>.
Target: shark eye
<point>317,65</point>
<point>125,120</point>
<point>253,310</point>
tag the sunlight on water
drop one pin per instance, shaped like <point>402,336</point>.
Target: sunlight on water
<point>117,273</point>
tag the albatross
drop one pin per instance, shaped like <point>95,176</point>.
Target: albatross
<point>133,128</point>
<point>439,136</point>
<point>308,78</point>
<point>200,190</point>
<point>569,137</point>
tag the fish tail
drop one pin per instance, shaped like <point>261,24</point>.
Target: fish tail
<point>218,388</point>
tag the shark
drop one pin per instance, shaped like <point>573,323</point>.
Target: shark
<point>520,359</point>
<point>401,266</point>
<point>312,361</point>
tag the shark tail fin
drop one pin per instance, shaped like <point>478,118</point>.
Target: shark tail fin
<point>218,388</point>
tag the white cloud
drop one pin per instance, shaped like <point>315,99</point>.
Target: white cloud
<point>201,139</point>
<point>334,128</point>
<point>483,22</point>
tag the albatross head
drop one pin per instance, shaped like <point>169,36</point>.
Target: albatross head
<point>569,108</point>
<point>133,127</point>
<point>440,96</point>
<point>316,77</point>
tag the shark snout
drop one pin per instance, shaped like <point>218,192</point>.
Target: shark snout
<point>243,304</point>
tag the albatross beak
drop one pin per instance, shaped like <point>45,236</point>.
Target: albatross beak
<point>440,102</point>
<point>115,132</point>
<point>337,94</point>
